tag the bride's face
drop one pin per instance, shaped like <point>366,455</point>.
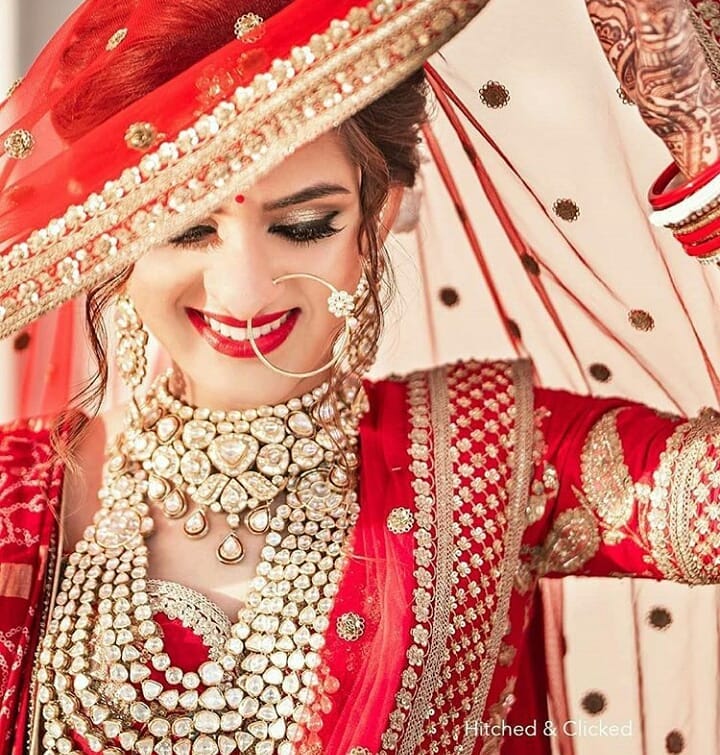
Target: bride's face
<point>197,292</point>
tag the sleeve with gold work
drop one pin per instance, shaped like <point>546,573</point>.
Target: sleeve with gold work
<point>622,490</point>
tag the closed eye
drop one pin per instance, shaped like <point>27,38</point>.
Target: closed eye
<point>308,231</point>
<point>198,235</point>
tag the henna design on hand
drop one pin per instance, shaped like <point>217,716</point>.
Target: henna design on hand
<point>617,37</point>
<point>654,51</point>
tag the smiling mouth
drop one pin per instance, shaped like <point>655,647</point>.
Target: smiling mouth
<point>241,334</point>
<point>230,337</point>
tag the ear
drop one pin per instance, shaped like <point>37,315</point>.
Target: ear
<point>390,210</point>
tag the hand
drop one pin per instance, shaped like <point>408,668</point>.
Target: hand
<point>654,51</point>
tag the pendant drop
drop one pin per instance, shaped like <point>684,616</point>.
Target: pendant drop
<point>231,550</point>
<point>258,521</point>
<point>175,505</point>
<point>196,525</point>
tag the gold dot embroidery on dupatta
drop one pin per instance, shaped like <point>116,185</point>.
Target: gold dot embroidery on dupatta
<point>659,617</point>
<point>248,27</point>
<point>22,341</point>
<point>359,751</point>
<point>594,703</point>
<point>350,626</point>
<point>494,95</point>
<point>140,136</point>
<point>13,87</point>
<point>601,372</point>
<point>566,209</point>
<point>116,39</point>
<point>674,742</point>
<point>19,144</point>
<point>530,264</point>
<point>400,520</point>
<point>449,296</point>
<point>641,320</point>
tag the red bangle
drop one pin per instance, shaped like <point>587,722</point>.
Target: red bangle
<point>700,234</point>
<point>704,249</point>
<point>660,199</point>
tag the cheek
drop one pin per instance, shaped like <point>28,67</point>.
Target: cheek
<point>156,277</point>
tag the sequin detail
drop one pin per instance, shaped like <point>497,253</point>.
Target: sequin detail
<point>141,136</point>
<point>350,626</point>
<point>494,95</point>
<point>19,144</point>
<point>116,39</point>
<point>566,209</point>
<point>400,520</point>
<point>248,27</point>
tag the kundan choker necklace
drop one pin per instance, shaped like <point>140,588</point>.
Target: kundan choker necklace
<point>103,673</point>
<point>235,463</point>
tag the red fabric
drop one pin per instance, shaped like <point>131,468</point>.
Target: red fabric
<point>379,580</point>
<point>62,171</point>
<point>30,486</point>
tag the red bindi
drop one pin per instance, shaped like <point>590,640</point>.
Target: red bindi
<point>240,198</point>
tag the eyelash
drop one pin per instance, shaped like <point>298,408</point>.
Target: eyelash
<point>301,234</point>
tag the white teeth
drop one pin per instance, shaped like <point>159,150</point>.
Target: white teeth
<point>241,334</point>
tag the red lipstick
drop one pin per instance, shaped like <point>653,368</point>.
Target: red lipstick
<point>242,349</point>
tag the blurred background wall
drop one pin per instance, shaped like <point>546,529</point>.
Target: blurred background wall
<point>27,25</point>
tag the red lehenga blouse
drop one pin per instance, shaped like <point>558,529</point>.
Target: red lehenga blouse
<point>473,484</point>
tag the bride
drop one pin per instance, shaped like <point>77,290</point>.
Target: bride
<point>263,551</point>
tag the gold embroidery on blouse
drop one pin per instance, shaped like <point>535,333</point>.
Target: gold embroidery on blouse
<point>509,393</point>
<point>607,487</point>
<point>573,540</point>
<point>680,515</point>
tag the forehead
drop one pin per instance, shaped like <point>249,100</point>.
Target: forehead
<point>324,160</point>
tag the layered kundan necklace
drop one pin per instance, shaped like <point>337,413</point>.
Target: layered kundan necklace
<point>103,672</point>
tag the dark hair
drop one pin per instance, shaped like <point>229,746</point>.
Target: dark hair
<point>382,140</point>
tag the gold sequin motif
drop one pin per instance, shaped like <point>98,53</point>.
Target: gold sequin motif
<point>350,626</point>
<point>572,542</point>
<point>141,136</point>
<point>248,27</point>
<point>19,144</point>
<point>116,39</point>
<point>494,95</point>
<point>400,520</point>
<point>566,209</point>
<point>641,320</point>
<point>13,87</point>
<point>607,486</point>
<point>601,372</point>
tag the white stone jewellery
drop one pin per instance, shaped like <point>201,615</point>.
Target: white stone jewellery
<point>103,672</point>
<point>234,462</point>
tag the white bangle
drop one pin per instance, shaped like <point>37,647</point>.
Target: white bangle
<point>681,211</point>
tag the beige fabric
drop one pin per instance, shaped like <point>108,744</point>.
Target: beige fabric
<point>569,135</point>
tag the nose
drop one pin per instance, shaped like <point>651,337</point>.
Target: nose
<point>239,279</point>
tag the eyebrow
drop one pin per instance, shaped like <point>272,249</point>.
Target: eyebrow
<point>317,191</point>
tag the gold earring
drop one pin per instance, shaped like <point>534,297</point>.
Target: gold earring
<point>132,339</point>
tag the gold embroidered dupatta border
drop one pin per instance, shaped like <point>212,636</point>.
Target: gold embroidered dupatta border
<point>432,471</point>
<point>522,443</point>
<point>356,60</point>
